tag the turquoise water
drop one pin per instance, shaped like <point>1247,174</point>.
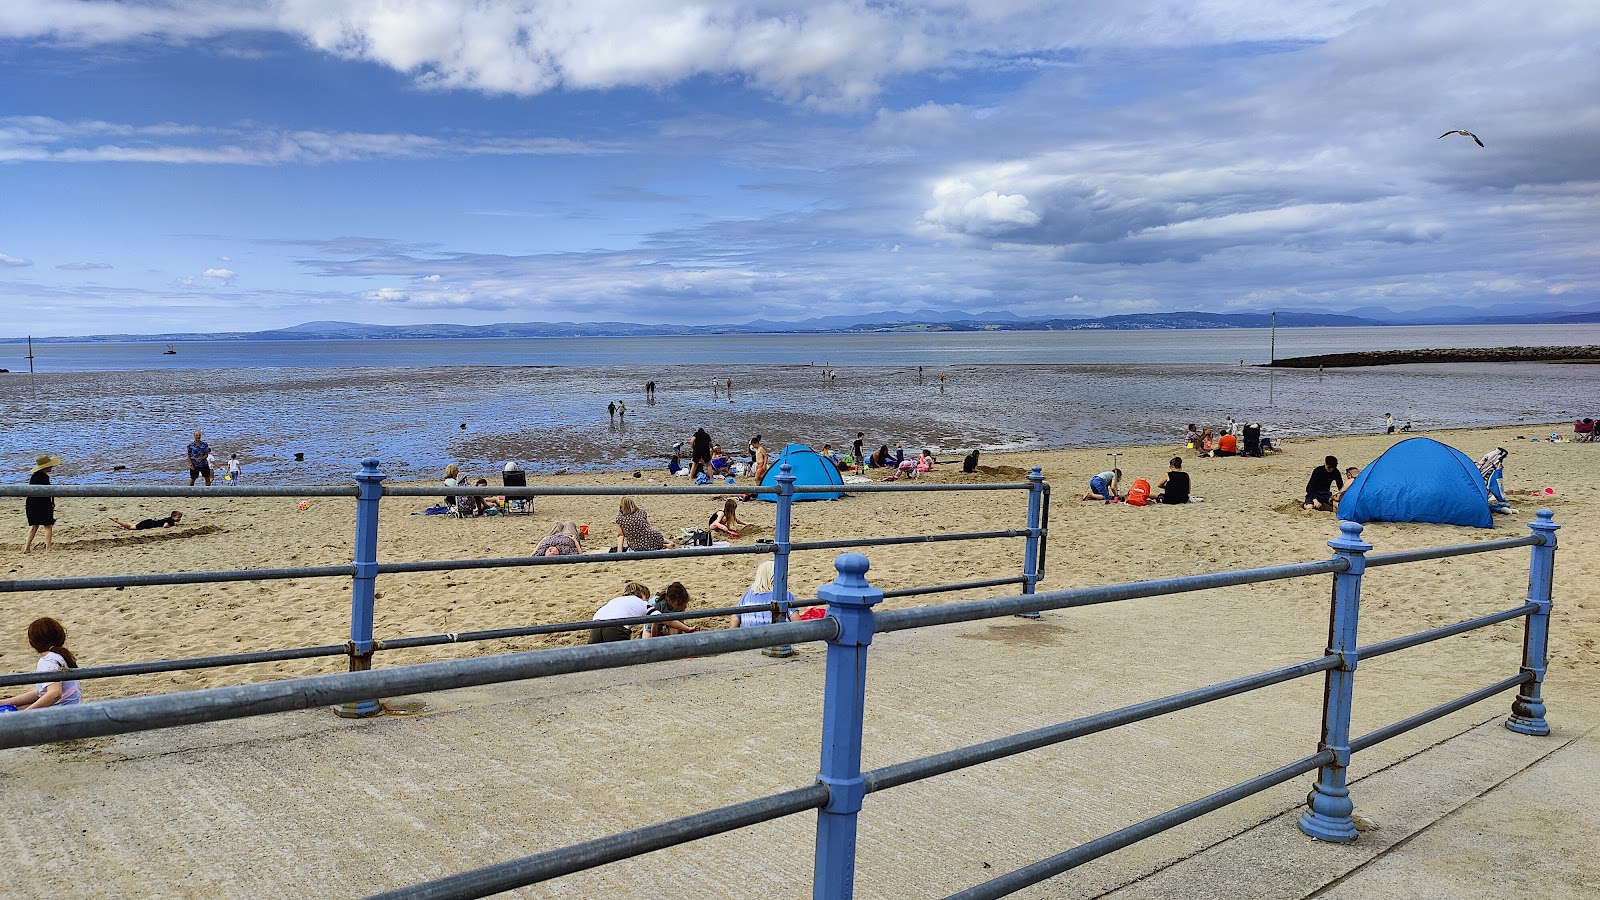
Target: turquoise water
<point>543,402</point>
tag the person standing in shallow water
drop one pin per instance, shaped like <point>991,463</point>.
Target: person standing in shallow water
<point>199,454</point>
<point>612,409</point>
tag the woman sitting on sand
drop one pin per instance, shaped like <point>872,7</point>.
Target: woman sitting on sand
<point>759,594</point>
<point>634,531</point>
<point>727,519</point>
<point>562,541</point>
<point>452,477</point>
<point>881,458</point>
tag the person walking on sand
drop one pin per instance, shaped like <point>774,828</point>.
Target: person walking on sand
<point>700,453</point>
<point>612,409</point>
<point>622,411</point>
<point>41,510</point>
<point>199,454</point>
<point>234,469</point>
<point>1388,423</point>
<point>730,390</point>
<point>941,382</point>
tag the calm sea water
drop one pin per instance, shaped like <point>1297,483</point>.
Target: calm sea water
<point>419,405</point>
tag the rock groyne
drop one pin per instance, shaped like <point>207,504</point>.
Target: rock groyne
<point>1443,355</point>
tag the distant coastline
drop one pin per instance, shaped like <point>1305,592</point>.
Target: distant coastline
<point>1446,355</point>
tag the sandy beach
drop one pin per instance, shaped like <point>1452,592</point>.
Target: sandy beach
<point>1250,516</point>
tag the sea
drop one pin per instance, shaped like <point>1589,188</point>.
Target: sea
<point>299,412</point>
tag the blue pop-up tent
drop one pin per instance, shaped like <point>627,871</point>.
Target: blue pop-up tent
<point>808,467</point>
<point>1419,480</point>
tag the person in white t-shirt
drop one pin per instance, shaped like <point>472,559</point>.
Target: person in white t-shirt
<point>634,602</point>
<point>48,638</point>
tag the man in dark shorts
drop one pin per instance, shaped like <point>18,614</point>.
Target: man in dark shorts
<point>145,524</point>
<point>1319,489</point>
<point>700,453</point>
<point>199,464</point>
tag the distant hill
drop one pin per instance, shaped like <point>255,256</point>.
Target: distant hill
<point>921,320</point>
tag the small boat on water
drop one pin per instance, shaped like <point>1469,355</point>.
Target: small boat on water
<point>169,351</point>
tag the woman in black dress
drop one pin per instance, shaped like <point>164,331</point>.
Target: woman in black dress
<point>41,510</point>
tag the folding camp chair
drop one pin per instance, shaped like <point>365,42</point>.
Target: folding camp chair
<point>517,504</point>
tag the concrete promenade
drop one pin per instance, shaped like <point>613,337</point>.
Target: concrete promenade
<point>308,805</point>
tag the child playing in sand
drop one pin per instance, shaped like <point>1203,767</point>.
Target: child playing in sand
<point>675,599</point>
<point>172,519</point>
<point>1104,486</point>
<point>727,519</point>
<point>630,604</point>
<point>48,638</point>
<point>234,470</point>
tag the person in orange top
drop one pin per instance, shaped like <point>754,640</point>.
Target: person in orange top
<point>1227,445</point>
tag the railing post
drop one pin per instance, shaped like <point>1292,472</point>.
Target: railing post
<point>1527,711</point>
<point>1030,550</point>
<point>363,587</point>
<point>1328,817</point>
<point>780,559</point>
<point>850,601</point>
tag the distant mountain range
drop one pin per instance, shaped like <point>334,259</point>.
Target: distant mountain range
<point>925,320</point>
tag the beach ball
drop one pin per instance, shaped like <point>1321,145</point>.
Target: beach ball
<point>305,504</point>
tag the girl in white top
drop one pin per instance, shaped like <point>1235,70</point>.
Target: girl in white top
<point>48,637</point>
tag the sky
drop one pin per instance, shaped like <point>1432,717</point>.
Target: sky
<point>237,165</point>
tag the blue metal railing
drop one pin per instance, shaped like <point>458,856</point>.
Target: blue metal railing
<point>369,490</point>
<point>841,787</point>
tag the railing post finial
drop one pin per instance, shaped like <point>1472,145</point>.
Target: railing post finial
<point>1528,710</point>
<point>363,586</point>
<point>850,600</point>
<point>1329,813</point>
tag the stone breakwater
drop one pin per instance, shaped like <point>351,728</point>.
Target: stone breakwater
<point>1444,355</point>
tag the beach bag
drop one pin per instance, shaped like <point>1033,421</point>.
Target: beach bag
<point>1139,494</point>
<point>700,538</point>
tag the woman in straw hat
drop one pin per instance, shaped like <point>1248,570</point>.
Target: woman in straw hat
<point>41,510</point>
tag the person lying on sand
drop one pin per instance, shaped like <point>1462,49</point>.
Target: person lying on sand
<point>174,518</point>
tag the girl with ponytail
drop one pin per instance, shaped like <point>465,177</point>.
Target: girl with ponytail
<point>48,638</point>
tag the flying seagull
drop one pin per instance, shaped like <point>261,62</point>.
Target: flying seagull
<point>1460,131</point>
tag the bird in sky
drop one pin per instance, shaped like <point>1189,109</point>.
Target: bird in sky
<point>1461,131</point>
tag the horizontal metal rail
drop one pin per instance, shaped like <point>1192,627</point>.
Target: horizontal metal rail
<point>591,557</point>
<point>422,490</point>
<point>82,582</point>
<point>1440,711</point>
<point>59,723</point>
<point>888,487</point>
<point>153,667</point>
<point>845,543</point>
<point>613,848</point>
<point>1424,637</point>
<point>405,643</point>
<point>944,588</point>
<point>965,757</point>
<point>972,610</point>
<point>1400,557</point>
<point>1015,881</point>
<point>152,490</point>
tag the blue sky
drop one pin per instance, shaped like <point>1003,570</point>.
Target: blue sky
<point>219,165</point>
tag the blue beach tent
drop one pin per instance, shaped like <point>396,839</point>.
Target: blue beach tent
<point>808,467</point>
<point>1419,480</point>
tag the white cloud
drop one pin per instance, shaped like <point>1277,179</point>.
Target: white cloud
<point>83,266</point>
<point>43,139</point>
<point>963,209</point>
<point>222,275</point>
<point>830,53</point>
<point>14,261</point>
